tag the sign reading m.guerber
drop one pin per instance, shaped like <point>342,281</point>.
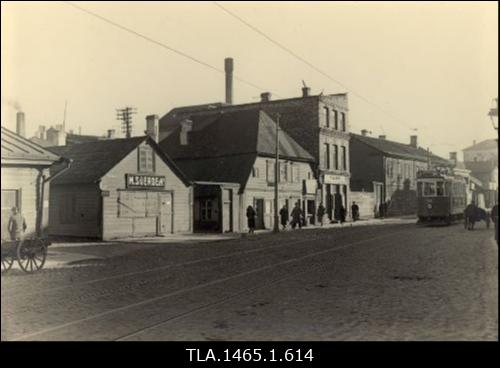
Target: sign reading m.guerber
<point>144,181</point>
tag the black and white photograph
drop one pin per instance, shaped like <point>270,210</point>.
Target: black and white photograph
<point>227,171</point>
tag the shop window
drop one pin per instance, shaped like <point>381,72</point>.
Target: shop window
<point>206,210</point>
<point>342,121</point>
<point>296,174</point>
<point>146,159</point>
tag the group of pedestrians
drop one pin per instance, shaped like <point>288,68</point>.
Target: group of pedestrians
<point>297,216</point>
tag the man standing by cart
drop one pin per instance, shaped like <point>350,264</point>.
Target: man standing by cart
<point>17,224</point>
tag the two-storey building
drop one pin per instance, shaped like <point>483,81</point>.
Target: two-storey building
<point>229,156</point>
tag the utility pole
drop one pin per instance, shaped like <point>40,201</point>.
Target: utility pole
<point>125,116</point>
<point>64,117</point>
<point>276,176</point>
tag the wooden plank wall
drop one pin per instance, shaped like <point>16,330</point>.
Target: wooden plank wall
<point>114,226</point>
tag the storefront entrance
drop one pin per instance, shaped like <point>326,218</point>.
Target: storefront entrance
<point>260,211</point>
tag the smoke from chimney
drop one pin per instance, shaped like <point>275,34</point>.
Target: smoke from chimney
<point>20,124</point>
<point>228,68</point>
<point>12,103</point>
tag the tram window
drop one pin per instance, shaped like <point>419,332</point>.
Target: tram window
<point>419,189</point>
<point>440,189</point>
<point>429,189</point>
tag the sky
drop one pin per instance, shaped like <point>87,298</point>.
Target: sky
<point>409,68</point>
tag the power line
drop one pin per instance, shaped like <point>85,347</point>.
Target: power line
<point>295,55</point>
<point>161,44</point>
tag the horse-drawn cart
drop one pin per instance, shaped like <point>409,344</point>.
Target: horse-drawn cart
<point>30,254</point>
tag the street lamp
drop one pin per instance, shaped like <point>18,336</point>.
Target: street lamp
<point>493,114</point>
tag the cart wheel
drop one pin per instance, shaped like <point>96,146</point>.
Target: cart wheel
<point>7,261</point>
<point>31,255</point>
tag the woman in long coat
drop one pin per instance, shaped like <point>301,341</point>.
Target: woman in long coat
<point>284,216</point>
<point>251,219</point>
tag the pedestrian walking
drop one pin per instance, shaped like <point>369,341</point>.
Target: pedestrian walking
<point>284,216</point>
<point>251,219</point>
<point>17,224</point>
<point>321,213</point>
<point>470,215</point>
<point>343,213</point>
<point>297,216</point>
<point>494,217</point>
<point>354,211</point>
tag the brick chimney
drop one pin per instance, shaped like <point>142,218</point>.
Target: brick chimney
<point>413,141</point>
<point>41,131</point>
<point>364,132</point>
<point>20,124</point>
<point>453,157</point>
<point>228,68</point>
<point>305,91</point>
<point>265,96</point>
<point>152,127</point>
<point>111,134</point>
<point>186,127</point>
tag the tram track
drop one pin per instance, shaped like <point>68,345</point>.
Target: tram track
<point>219,281</point>
<point>5,293</point>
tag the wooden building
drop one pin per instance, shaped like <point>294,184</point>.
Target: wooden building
<point>119,188</point>
<point>230,158</point>
<point>25,168</point>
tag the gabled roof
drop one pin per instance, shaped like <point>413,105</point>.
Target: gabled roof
<point>400,150</point>
<point>488,144</point>
<point>19,150</point>
<point>93,160</point>
<point>223,146</point>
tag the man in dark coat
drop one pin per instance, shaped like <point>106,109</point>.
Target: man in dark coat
<point>251,219</point>
<point>343,213</point>
<point>297,216</point>
<point>17,224</point>
<point>284,216</point>
<point>321,213</point>
<point>470,215</point>
<point>354,211</point>
<point>494,217</point>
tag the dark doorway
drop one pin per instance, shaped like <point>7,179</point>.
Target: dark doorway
<point>259,209</point>
<point>311,211</point>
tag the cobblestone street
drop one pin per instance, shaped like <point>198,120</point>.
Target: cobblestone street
<point>391,282</point>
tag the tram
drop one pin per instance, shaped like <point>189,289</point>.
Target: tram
<point>441,197</point>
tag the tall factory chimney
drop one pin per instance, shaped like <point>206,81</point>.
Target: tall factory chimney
<point>20,124</point>
<point>228,68</point>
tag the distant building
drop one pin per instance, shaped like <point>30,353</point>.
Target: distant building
<point>388,169</point>
<point>230,158</point>
<point>318,123</point>
<point>483,151</point>
<point>482,161</point>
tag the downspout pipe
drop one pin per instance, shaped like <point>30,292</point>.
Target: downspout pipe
<point>45,180</point>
